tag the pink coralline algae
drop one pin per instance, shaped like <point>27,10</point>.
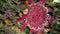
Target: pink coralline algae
<point>37,18</point>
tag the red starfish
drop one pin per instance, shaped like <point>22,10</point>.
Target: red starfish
<point>36,18</point>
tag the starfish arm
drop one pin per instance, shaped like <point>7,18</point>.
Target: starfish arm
<point>41,31</point>
<point>30,1</point>
<point>50,20</point>
<point>23,26</point>
<point>42,2</point>
<point>50,10</point>
<point>48,27</point>
<point>21,19</point>
<point>33,31</point>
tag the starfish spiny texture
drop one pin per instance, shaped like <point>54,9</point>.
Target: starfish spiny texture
<point>37,17</point>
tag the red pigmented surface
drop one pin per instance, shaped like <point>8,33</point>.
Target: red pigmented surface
<point>36,16</point>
